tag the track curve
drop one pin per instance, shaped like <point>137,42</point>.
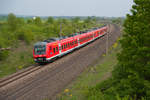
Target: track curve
<point>52,78</point>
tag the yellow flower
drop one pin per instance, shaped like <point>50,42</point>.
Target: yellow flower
<point>71,95</point>
<point>104,55</point>
<point>66,90</point>
<point>20,67</point>
<point>115,45</point>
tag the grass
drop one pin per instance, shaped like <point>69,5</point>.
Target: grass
<point>18,59</point>
<point>92,76</point>
<point>14,31</point>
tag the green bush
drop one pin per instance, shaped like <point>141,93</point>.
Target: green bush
<point>102,91</point>
<point>25,35</point>
<point>3,55</point>
<point>131,76</point>
<point>17,31</point>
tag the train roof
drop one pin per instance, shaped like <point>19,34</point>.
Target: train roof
<point>63,38</point>
<point>40,43</point>
<point>51,40</point>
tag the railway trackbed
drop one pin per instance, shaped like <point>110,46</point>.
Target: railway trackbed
<point>40,83</point>
<point>18,75</point>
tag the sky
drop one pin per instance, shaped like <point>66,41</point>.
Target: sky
<point>108,8</point>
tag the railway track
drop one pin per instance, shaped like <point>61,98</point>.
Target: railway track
<point>18,75</point>
<point>52,78</point>
<point>26,88</point>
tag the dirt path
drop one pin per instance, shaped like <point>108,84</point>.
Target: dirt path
<point>55,76</point>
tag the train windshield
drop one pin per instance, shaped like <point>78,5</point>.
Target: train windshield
<point>39,49</point>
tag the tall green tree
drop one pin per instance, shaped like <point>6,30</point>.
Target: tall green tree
<point>132,74</point>
<point>12,21</point>
<point>37,21</point>
<point>50,20</point>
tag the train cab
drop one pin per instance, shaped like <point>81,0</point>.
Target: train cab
<point>39,52</point>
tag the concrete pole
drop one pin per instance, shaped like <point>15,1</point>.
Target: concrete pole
<point>107,39</point>
<point>60,30</point>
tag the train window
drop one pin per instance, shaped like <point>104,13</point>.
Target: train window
<point>68,44</point>
<point>71,43</point>
<point>54,50</point>
<point>62,47</point>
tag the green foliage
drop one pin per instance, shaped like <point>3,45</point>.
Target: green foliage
<point>131,76</point>
<point>25,34</point>
<point>12,21</point>
<point>37,21</point>
<point>133,68</point>
<point>21,33</point>
<point>29,21</point>
<point>2,43</point>
<point>50,20</point>
<point>3,55</point>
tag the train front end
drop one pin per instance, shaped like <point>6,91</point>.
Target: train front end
<point>40,52</point>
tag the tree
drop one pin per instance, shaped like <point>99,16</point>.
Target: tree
<point>37,21</point>
<point>76,20</point>
<point>29,21</point>
<point>20,21</point>
<point>12,21</point>
<point>50,20</point>
<point>88,20</point>
<point>132,74</point>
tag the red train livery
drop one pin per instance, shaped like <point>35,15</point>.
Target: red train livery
<point>53,48</point>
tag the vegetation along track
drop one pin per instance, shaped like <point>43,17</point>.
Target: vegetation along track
<point>52,78</point>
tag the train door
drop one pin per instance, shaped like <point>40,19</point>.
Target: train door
<point>59,45</point>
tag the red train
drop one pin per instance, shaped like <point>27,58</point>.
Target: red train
<point>52,48</point>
